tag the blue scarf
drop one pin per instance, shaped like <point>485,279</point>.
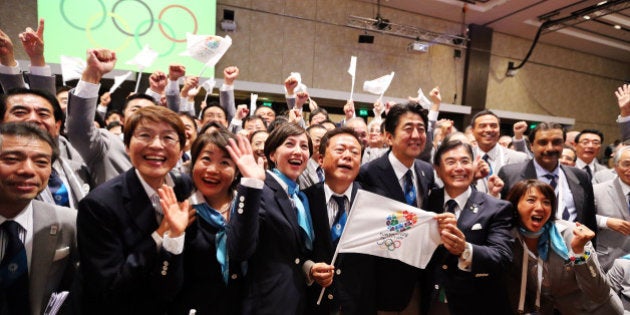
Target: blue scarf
<point>216,220</point>
<point>548,236</point>
<point>301,204</point>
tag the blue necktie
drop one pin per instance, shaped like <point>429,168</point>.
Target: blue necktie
<point>58,190</point>
<point>320,174</point>
<point>340,219</point>
<point>552,181</point>
<point>486,158</point>
<point>14,271</point>
<point>301,204</point>
<point>185,157</point>
<point>216,220</point>
<point>410,189</point>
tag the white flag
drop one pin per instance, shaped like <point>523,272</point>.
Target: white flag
<point>424,101</point>
<point>207,49</point>
<point>386,228</point>
<point>144,58</point>
<point>380,85</point>
<point>353,66</point>
<point>71,68</point>
<point>252,103</point>
<point>118,80</point>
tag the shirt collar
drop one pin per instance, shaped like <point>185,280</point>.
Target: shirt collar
<point>148,189</point>
<point>540,171</point>
<point>23,217</point>
<point>580,164</point>
<point>399,169</point>
<point>461,199</point>
<point>492,153</point>
<point>328,193</point>
<point>624,187</point>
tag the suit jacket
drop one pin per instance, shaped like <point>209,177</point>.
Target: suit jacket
<point>486,224</point>
<point>309,177</point>
<point>38,82</point>
<point>394,281</point>
<point>103,152</point>
<point>204,288</point>
<point>619,278</point>
<point>349,291</point>
<point>54,257</point>
<point>604,176</point>
<point>610,201</point>
<point>76,177</point>
<point>579,184</point>
<point>573,289</point>
<point>274,248</point>
<point>124,272</point>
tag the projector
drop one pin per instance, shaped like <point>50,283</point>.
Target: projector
<point>418,47</point>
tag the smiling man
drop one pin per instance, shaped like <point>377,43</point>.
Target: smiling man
<point>475,230</point>
<point>588,143</point>
<point>572,186</point>
<point>402,177</point>
<point>39,253</point>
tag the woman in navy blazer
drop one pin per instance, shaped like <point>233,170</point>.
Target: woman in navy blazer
<point>282,236</point>
<point>212,280</point>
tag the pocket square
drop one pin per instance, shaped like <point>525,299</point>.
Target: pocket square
<point>476,226</point>
<point>61,253</point>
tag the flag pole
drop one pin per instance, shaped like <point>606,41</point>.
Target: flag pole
<point>138,82</point>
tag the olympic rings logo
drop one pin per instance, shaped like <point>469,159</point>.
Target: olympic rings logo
<point>99,18</point>
<point>388,244</point>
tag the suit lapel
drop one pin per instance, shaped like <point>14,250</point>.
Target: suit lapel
<point>320,214</point>
<point>285,205</point>
<point>389,180</point>
<point>137,203</point>
<point>468,216</point>
<point>530,171</point>
<point>576,190</point>
<point>45,235</point>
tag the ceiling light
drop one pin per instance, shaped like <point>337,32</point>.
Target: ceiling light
<point>617,27</point>
<point>586,17</point>
<point>602,3</point>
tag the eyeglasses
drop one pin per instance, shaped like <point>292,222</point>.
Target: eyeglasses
<point>167,139</point>
<point>593,142</point>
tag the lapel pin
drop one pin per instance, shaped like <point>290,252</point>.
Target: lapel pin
<point>53,229</point>
<point>474,208</point>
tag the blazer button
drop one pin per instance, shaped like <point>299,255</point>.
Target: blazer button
<point>338,271</point>
<point>234,276</point>
<point>163,272</point>
<point>330,296</point>
<point>444,267</point>
<point>240,210</point>
<point>165,263</point>
<point>165,268</point>
<point>297,261</point>
<point>242,198</point>
<point>241,205</point>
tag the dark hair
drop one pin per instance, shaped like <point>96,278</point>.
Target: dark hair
<point>211,105</point>
<point>26,129</point>
<point>318,110</point>
<point>212,124</point>
<point>57,111</point>
<point>280,120</point>
<point>393,117</point>
<point>155,114</point>
<point>483,113</point>
<point>546,126</point>
<point>190,117</point>
<point>318,126</point>
<point>448,146</point>
<point>279,135</point>
<point>113,112</point>
<point>137,96</point>
<point>63,88</point>
<point>592,131</point>
<point>337,131</point>
<point>113,124</point>
<point>251,136</point>
<point>521,188</point>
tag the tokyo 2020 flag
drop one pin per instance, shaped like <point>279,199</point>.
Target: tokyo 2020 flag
<point>383,227</point>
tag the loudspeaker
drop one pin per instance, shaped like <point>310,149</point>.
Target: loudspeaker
<point>366,39</point>
<point>228,15</point>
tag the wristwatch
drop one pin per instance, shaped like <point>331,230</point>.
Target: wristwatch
<point>467,252</point>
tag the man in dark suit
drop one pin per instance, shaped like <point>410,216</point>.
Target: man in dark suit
<point>573,187</point>
<point>400,176</point>
<point>466,272</point>
<point>30,274</point>
<point>588,143</point>
<point>330,202</point>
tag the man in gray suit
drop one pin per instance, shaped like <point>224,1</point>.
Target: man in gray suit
<point>486,129</point>
<point>313,174</point>
<point>39,254</point>
<point>613,213</point>
<point>619,278</point>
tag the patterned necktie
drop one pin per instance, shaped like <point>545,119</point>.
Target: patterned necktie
<point>340,219</point>
<point>451,205</point>
<point>587,169</point>
<point>320,174</point>
<point>552,180</point>
<point>58,190</point>
<point>410,189</point>
<point>14,271</point>
<point>486,158</point>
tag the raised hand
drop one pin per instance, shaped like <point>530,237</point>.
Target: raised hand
<point>519,129</point>
<point>157,82</point>
<point>177,215</point>
<point>623,99</point>
<point>99,62</point>
<point>243,156</point>
<point>6,50</point>
<point>33,43</point>
<point>176,71</point>
<point>300,99</point>
<point>242,111</point>
<point>581,235</point>
<point>230,74</point>
<point>106,98</point>
<point>191,87</point>
<point>348,109</point>
<point>435,96</point>
<point>495,185</point>
<point>290,84</point>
